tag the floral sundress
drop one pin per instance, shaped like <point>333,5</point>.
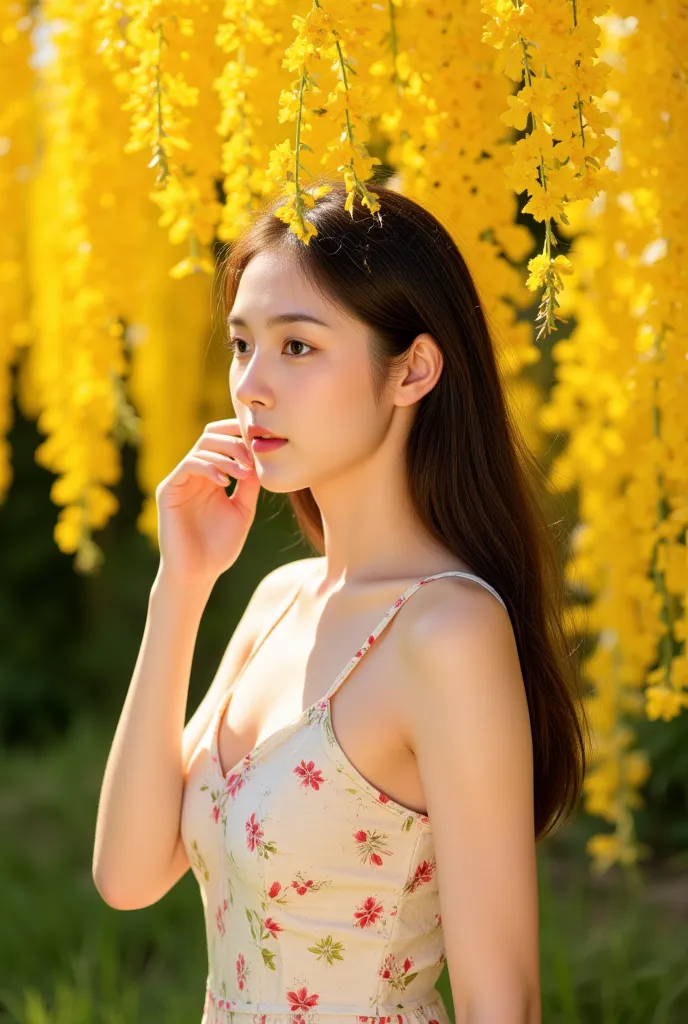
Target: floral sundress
<point>319,892</point>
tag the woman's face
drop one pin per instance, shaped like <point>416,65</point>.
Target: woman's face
<point>308,382</point>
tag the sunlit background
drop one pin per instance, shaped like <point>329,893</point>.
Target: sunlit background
<point>136,142</point>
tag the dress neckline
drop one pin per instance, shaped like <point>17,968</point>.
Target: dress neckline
<point>260,747</point>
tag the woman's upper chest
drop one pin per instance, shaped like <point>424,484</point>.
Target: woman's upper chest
<point>296,665</point>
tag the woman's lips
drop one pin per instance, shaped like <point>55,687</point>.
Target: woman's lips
<point>267,444</point>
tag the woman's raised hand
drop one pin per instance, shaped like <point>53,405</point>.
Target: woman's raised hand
<point>202,530</point>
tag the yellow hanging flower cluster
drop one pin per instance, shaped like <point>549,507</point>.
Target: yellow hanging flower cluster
<point>244,183</point>
<point>441,103</point>
<point>349,109</point>
<point>77,365</point>
<point>313,44</point>
<point>551,49</point>
<point>620,397</point>
<point>16,137</point>
<point>163,86</point>
<point>320,40</point>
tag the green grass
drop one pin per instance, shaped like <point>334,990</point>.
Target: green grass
<point>65,956</point>
<point>610,953</point>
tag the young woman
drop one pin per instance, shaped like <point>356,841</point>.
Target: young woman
<point>397,721</point>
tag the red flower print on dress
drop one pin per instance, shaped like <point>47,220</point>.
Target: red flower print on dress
<point>261,930</point>
<point>397,974</point>
<point>309,774</point>
<point>241,972</point>
<point>304,885</point>
<point>300,1000</point>
<point>271,926</point>
<point>423,873</point>
<point>254,832</point>
<point>371,845</point>
<point>368,913</point>
<point>219,917</point>
<point>235,780</point>
<point>277,893</point>
<point>254,838</point>
<point>273,893</point>
<point>361,651</point>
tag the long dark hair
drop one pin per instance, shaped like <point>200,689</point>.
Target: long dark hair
<point>471,477</point>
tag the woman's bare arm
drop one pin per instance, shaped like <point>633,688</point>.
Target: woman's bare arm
<point>138,853</point>
<point>469,728</point>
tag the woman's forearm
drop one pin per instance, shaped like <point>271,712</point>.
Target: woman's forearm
<point>137,829</point>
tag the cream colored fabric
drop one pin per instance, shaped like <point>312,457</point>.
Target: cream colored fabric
<point>320,893</point>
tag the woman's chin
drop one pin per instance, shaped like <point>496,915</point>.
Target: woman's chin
<point>278,483</point>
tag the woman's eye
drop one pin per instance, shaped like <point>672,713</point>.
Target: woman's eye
<point>295,341</point>
<point>232,343</point>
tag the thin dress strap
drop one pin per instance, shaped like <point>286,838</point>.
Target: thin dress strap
<point>387,618</point>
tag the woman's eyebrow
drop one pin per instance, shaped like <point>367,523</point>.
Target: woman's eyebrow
<point>281,318</point>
